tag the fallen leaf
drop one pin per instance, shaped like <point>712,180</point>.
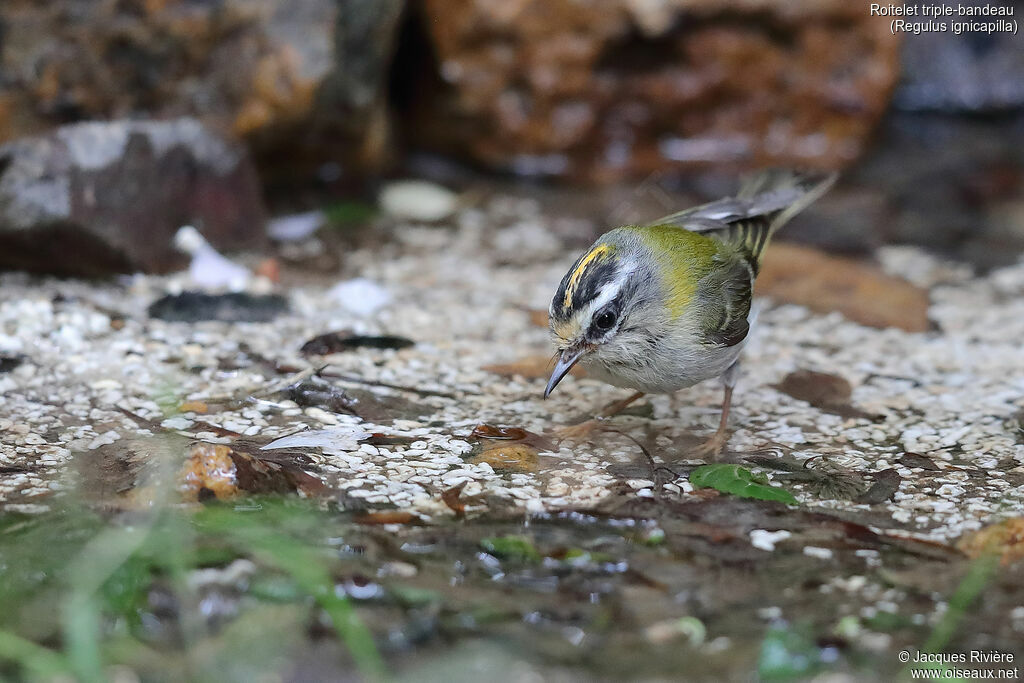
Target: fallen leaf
<point>509,458</point>
<point>825,479</point>
<point>192,307</point>
<point>531,367</point>
<point>338,342</point>
<point>738,481</point>
<point>862,292</point>
<point>387,517</point>
<point>450,497</point>
<point>486,431</point>
<point>918,460</point>
<point>378,439</point>
<point>538,441</point>
<point>830,393</point>
<point>887,482</point>
<point>1004,539</point>
<point>317,392</point>
<point>194,407</point>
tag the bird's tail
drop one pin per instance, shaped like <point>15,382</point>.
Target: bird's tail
<point>766,201</point>
<point>780,194</point>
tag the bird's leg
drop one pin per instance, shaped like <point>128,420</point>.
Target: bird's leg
<point>584,429</point>
<point>712,448</point>
<point>617,407</point>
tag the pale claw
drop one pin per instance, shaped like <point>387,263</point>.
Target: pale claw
<point>712,448</point>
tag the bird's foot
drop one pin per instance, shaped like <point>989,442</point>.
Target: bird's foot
<point>712,448</point>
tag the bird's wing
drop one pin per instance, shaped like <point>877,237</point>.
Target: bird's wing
<point>725,294</point>
<point>748,220</point>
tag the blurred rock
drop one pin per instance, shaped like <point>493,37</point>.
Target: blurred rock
<point>191,307</point>
<point>301,81</point>
<point>977,72</point>
<point>624,88</point>
<point>417,200</point>
<point>950,183</point>
<point>100,198</point>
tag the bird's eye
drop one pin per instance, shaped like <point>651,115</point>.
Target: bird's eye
<point>604,321</point>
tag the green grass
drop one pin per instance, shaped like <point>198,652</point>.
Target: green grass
<point>76,587</point>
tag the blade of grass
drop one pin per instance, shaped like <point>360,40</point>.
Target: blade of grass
<point>35,659</point>
<point>970,587</point>
<point>82,619</point>
<point>307,568</point>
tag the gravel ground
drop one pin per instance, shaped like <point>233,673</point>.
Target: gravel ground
<point>464,293</point>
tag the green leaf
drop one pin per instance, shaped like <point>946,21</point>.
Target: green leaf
<point>739,481</point>
<point>511,548</point>
<point>787,655</point>
<point>347,213</point>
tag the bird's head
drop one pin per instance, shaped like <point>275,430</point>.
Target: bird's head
<point>605,307</point>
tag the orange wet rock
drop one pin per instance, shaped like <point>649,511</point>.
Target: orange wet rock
<point>517,457</point>
<point>224,472</point>
<point>194,407</point>
<point>209,468</point>
<point>860,291</point>
<point>1004,540</point>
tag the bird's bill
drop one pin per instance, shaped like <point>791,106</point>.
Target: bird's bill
<point>566,360</point>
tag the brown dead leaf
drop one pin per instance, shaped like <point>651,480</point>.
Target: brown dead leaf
<point>387,517</point>
<point>517,457</point>
<point>1004,539</point>
<point>822,390</point>
<point>917,460</point>
<point>887,483</point>
<point>450,497</point>
<point>860,291</point>
<point>531,367</point>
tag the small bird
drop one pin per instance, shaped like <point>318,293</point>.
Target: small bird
<point>660,307</point>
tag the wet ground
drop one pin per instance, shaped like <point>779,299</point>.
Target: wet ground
<point>232,476</point>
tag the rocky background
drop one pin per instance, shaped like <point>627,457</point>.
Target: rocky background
<point>271,391</point>
<point>292,102</point>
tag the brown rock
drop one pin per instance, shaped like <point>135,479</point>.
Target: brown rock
<point>620,88</point>
<point>300,80</point>
<point>99,198</point>
<point>860,291</point>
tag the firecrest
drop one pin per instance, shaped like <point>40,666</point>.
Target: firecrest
<point>660,307</point>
